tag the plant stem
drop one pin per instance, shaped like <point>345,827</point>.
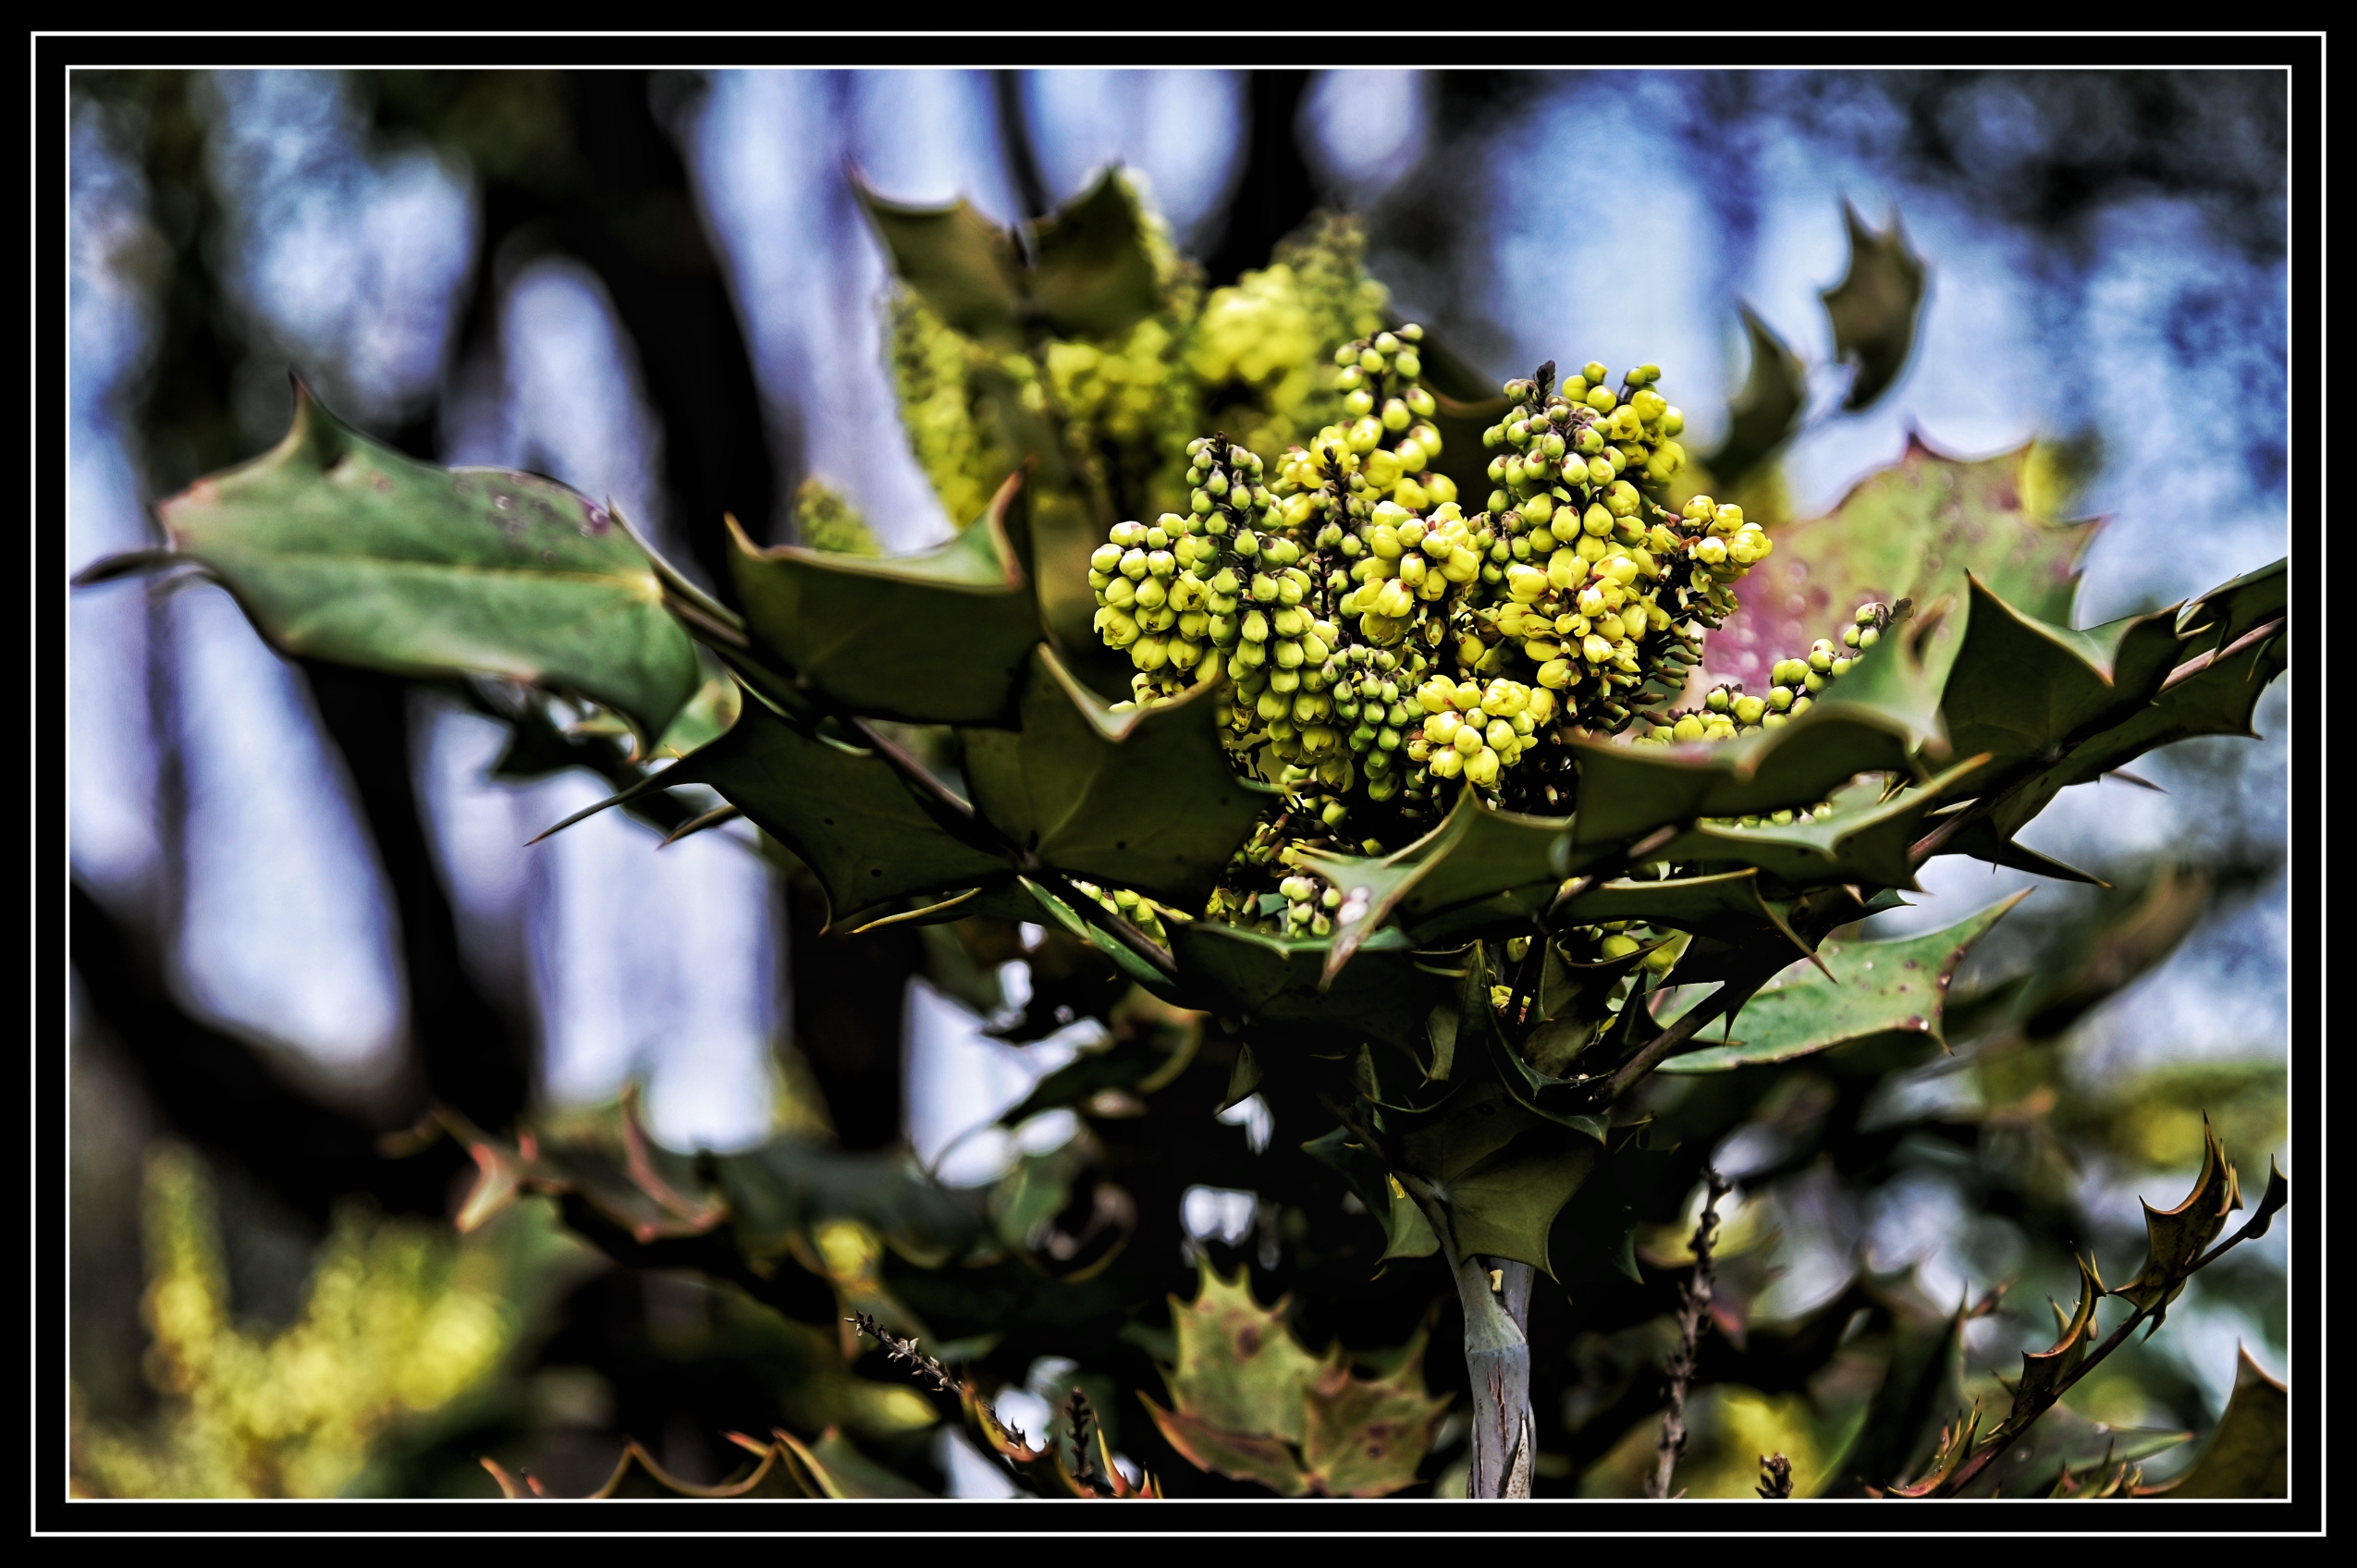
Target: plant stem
<point>1693,1314</point>
<point>1497,1357</point>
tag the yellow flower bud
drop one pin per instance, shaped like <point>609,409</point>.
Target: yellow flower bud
<point>1566,570</point>
<point>1556,673</point>
<point>1446,764</point>
<point>1595,649</point>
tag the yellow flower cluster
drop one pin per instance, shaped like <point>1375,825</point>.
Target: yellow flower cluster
<point>1729,710</point>
<point>1381,649</point>
<point>1119,414</point>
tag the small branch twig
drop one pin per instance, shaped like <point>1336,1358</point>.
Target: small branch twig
<point>1693,1313</point>
<point>921,1365</point>
<point>1776,1475</point>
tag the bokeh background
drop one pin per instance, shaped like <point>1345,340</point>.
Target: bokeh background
<point>298,894</point>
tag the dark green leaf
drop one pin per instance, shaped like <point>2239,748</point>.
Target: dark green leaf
<point>2176,1238</point>
<point>1142,800</point>
<point>1767,411</point>
<point>1093,276</point>
<point>937,638</point>
<point>1244,973</point>
<point>1874,307</point>
<point>959,262</point>
<point>1884,989</point>
<point>871,836</point>
<point>341,549</point>
<point>1863,840</point>
<point>1629,790</point>
<point>2022,686</point>
<point>1504,1172</point>
<point>2249,1453</point>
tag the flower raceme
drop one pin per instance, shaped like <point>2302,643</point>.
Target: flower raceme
<point>1380,649</point>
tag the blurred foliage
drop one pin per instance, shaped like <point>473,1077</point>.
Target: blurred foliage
<point>403,1326</point>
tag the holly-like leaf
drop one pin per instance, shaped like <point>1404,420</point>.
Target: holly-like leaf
<point>960,263</point>
<point>1862,840</point>
<point>2176,1238</point>
<point>871,836</point>
<point>1365,1437</point>
<point>1879,990</point>
<point>1239,1367</point>
<point>1504,1172</point>
<point>709,715</point>
<point>1908,531</point>
<point>1250,1403</point>
<point>2043,1371</point>
<point>2248,1455</point>
<point>937,638</point>
<point>338,547</point>
<point>1683,904</point>
<point>1239,1456</point>
<point>1142,800</point>
<point>1766,412</point>
<point>1093,276</point>
<point>2216,697</point>
<point>1626,792</point>
<point>2021,686</point>
<point>1282,980</point>
<point>1874,307</point>
<point>1479,867</point>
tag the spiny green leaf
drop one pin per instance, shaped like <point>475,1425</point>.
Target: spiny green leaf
<point>2043,1371</point>
<point>341,549</point>
<point>960,263</point>
<point>1364,1437</point>
<point>1142,800</point>
<point>2176,1238</point>
<point>1498,861</point>
<point>1767,411</point>
<point>1626,792</point>
<point>1684,904</point>
<point>1912,531</point>
<point>1874,307</point>
<point>1280,980</point>
<point>1093,276</point>
<point>2216,698</point>
<point>869,836</point>
<point>2022,686</point>
<point>937,638</point>
<point>2248,1455</point>
<point>1864,839</point>
<point>1239,1367</point>
<point>709,715</point>
<point>1239,1456</point>
<point>1885,988</point>
<point>1503,1171</point>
